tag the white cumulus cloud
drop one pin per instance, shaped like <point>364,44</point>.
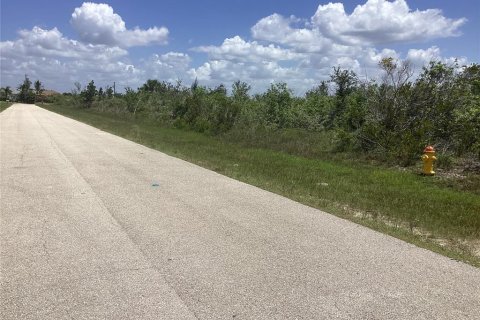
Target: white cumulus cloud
<point>258,74</point>
<point>171,66</point>
<point>59,62</point>
<point>97,23</point>
<point>382,21</point>
<point>299,51</point>
<point>39,42</point>
<point>278,29</point>
<point>421,57</point>
<point>250,61</point>
<point>237,49</point>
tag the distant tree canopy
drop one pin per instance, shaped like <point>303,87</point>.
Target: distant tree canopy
<point>5,93</point>
<point>38,89</point>
<point>89,93</point>
<point>25,91</point>
<point>396,115</point>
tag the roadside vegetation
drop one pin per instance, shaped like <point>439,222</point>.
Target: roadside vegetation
<point>26,93</point>
<point>349,147</point>
<point>4,105</point>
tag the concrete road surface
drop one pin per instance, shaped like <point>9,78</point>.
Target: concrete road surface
<point>86,233</point>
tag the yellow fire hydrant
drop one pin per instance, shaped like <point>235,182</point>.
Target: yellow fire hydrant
<point>428,158</point>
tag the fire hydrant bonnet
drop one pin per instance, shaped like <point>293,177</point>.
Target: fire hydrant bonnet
<point>429,149</point>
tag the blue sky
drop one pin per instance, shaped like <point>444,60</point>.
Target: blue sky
<point>61,42</point>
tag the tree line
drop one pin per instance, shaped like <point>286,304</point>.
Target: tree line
<point>395,116</point>
<point>26,93</point>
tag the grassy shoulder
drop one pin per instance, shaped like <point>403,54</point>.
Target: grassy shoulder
<point>400,203</point>
<point>4,105</point>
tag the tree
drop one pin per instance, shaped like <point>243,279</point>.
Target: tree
<point>436,96</point>
<point>220,90</point>
<point>132,99</point>
<point>153,85</point>
<point>109,92</point>
<point>393,102</point>
<point>194,85</point>
<point>38,89</point>
<point>77,88</point>
<point>466,125</point>
<point>321,90</point>
<point>101,94</point>
<point>88,94</point>
<point>25,92</point>
<point>6,93</point>
<point>471,78</point>
<point>278,100</point>
<point>346,82</point>
<point>240,90</point>
<point>393,122</point>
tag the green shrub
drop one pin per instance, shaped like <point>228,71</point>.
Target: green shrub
<point>394,118</point>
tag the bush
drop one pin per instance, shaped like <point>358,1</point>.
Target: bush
<point>445,161</point>
<point>394,118</point>
<point>113,105</point>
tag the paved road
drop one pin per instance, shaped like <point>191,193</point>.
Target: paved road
<point>85,235</point>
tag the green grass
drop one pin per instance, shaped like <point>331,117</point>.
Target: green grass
<point>4,105</point>
<point>402,204</point>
